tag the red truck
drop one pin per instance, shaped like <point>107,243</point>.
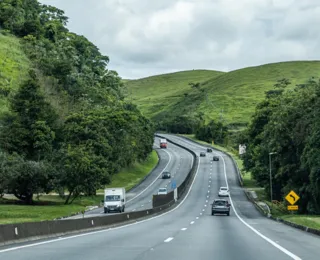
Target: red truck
<point>163,143</point>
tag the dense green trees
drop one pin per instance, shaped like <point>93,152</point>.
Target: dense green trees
<point>98,133</point>
<point>287,122</point>
<point>213,131</point>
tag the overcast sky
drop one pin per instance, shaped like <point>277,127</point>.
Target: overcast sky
<point>147,37</point>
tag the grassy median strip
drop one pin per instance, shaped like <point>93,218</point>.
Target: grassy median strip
<point>49,207</point>
<point>249,183</point>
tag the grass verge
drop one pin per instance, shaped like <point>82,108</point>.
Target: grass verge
<point>49,207</point>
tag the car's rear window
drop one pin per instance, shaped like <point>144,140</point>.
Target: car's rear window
<point>220,203</point>
<point>223,189</point>
<point>161,190</point>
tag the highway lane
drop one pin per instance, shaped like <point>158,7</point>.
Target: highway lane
<point>173,159</point>
<point>186,232</point>
<point>305,245</point>
<point>179,167</point>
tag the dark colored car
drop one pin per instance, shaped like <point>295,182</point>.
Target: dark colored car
<point>166,175</point>
<point>215,158</point>
<point>209,150</point>
<point>220,206</point>
<point>202,154</point>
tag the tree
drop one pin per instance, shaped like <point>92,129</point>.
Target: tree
<point>287,123</point>
<point>29,128</point>
<point>212,131</point>
<point>80,172</point>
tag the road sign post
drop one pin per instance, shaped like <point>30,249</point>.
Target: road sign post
<point>175,194</point>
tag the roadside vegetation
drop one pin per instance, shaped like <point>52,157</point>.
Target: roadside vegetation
<point>286,124</point>
<point>65,124</point>
<point>51,206</point>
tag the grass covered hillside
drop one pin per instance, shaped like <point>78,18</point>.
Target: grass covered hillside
<point>14,66</point>
<point>157,93</point>
<point>230,96</point>
<point>238,92</point>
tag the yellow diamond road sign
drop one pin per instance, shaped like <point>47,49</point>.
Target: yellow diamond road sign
<point>292,197</point>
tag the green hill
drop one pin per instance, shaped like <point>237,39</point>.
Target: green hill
<point>231,96</point>
<point>156,93</point>
<point>13,67</point>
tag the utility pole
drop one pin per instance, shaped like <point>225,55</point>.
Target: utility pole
<point>270,168</point>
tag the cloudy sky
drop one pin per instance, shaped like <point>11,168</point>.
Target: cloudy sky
<point>147,37</point>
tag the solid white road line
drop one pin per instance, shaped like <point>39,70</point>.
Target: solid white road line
<point>168,239</point>
<point>287,252</point>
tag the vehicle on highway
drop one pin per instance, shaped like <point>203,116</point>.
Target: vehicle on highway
<point>215,158</point>
<point>162,191</point>
<point>220,206</point>
<point>166,175</point>
<point>202,154</point>
<point>223,192</point>
<point>114,200</point>
<point>209,150</point>
<point>163,143</point>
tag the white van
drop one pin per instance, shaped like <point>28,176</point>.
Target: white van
<point>114,200</point>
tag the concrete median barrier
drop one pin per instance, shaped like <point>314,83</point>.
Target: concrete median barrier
<point>159,200</point>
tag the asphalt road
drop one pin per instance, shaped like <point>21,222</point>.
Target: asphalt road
<point>174,159</point>
<point>188,231</point>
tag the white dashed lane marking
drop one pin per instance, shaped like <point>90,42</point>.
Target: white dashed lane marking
<point>168,239</point>
<point>192,222</point>
<point>183,229</point>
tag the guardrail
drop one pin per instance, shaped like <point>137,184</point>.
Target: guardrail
<point>14,233</point>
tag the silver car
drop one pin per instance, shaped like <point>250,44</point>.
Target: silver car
<point>220,206</point>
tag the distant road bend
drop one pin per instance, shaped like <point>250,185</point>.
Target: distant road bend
<point>174,159</point>
<point>187,231</point>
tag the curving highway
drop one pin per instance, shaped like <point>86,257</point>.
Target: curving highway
<point>187,231</point>
<point>174,159</point>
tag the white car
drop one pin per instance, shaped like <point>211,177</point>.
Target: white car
<point>162,191</point>
<point>224,192</point>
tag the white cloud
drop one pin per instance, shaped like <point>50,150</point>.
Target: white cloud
<point>144,37</point>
